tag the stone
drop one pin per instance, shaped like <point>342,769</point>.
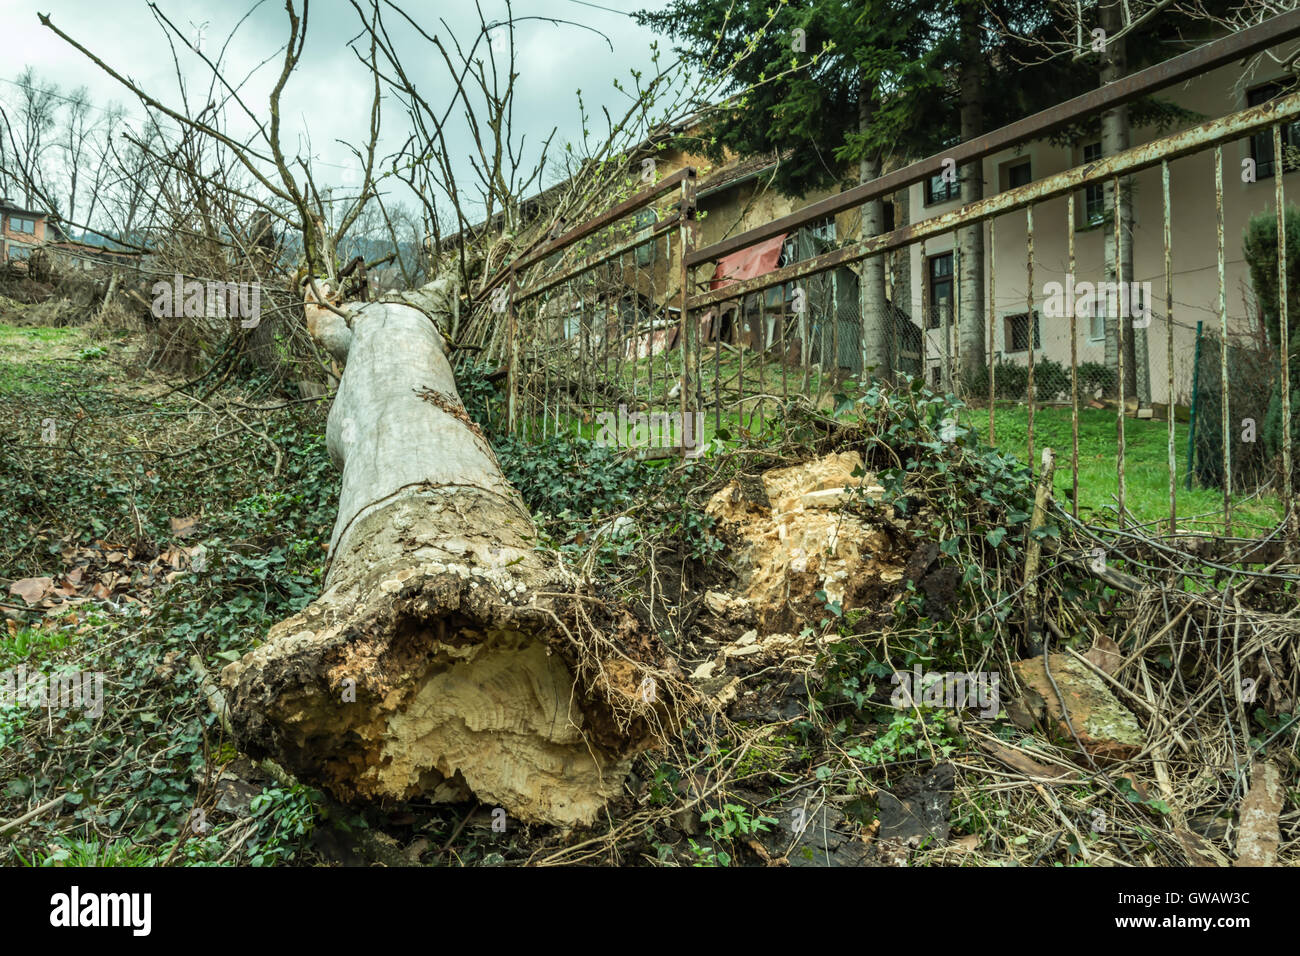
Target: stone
<point>1106,729</point>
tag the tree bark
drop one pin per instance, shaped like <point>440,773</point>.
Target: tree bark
<point>970,320</point>
<point>435,663</point>
<point>871,281</point>
<point>1115,138</point>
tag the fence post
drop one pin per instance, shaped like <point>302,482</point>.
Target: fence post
<point>950,336</point>
<point>1283,337</point>
<point>1223,345</point>
<point>1074,361</point>
<point>1120,309</point>
<point>993,252</point>
<point>1029,321</point>
<point>1196,394</point>
<point>512,357</point>
<point>1169,320</point>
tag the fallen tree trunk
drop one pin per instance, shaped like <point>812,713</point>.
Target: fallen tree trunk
<point>433,664</point>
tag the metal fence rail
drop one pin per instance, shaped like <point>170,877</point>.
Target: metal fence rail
<point>611,313</point>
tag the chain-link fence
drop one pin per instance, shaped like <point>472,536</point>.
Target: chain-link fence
<point>1248,379</point>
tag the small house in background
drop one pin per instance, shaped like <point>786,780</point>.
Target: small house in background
<point>73,254</point>
<point>22,231</point>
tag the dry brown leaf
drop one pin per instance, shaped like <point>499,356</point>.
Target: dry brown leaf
<point>1105,654</point>
<point>184,526</point>
<point>32,590</point>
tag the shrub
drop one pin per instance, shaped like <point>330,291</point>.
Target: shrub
<point>1259,247</point>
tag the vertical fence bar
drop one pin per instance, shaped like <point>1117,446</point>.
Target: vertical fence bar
<point>993,248</point>
<point>801,310</point>
<point>780,317</point>
<point>718,310</point>
<point>1029,321</point>
<point>512,358</point>
<point>634,342</point>
<point>548,361</point>
<point>604,328</point>
<point>1120,310</point>
<point>685,217</point>
<point>743,325</point>
<point>895,349</point>
<point>954,349</point>
<point>586,367</point>
<point>715,333</point>
<point>1169,345</point>
<point>834,363</point>
<point>562,360</point>
<point>1074,362</point>
<point>1223,345</point>
<point>614,322</point>
<point>1191,416</point>
<point>891,350</point>
<point>945,330</point>
<point>926,305</point>
<point>650,391</point>
<point>1283,338</point>
<point>762,356</point>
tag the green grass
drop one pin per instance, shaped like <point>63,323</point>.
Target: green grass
<point>31,644</point>
<point>18,334</point>
<point>1146,467</point>
<point>32,357</point>
<point>76,852</point>
<point>1146,462</point>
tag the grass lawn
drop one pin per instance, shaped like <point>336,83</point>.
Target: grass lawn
<point>1146,471</point>
<point>1146,442</point>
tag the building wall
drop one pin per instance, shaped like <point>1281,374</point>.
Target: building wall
<point>1194,245</point>
<point>750,202</point>
<point>9,236</point>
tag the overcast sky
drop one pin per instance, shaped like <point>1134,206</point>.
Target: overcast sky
<point>329,96</point>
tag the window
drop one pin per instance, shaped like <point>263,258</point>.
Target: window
<point>824,231</point>
<point>1094,196</point>
<point>645,253</point>
<point>814,239</point>
<point>22,224</point>
<point>18,250</point>
<point>939,275</point>
<point>1261,144</point>
<point>1097,325</point>
<point>1019,175</point>
<point>938,189</point>
<point>1016,332</point>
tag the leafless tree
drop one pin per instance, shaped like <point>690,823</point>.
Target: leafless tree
<point>27,132</point>
<point>78,129</point>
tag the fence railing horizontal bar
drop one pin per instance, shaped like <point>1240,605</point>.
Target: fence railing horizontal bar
<point>1193,63</point>
<point>1213,133</point>
<point>611,215</point>
<point>635,240</point>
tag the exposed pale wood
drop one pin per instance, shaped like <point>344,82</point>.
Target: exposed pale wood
<point>1259,836</point>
